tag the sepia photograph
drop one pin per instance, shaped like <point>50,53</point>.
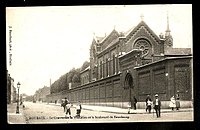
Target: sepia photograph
<point>99,64</point>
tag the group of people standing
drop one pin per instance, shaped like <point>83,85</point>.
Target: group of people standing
<point>174,102</point>
<point>156,104</point>
<point>67,108</point>
<point>149,103</point>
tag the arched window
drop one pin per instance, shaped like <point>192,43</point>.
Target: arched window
<point>101,69</point>
<point>106,66</point>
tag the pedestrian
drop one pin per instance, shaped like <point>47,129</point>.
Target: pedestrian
<point>78,109</point>
<point>177,102</point>
<point>148,103</point>
<point>129,107</point>
<point>64,103</point>
<point>68,109</point>
<point>172,103</point>
<point>157,105</point>
<point>134,102</point>
<point>21,103</point>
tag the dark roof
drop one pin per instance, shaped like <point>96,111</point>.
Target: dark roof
<point>178,51</point>
<point>164,59</point>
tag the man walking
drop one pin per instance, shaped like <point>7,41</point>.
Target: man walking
<point>157,105</point>
<point>134,102</point>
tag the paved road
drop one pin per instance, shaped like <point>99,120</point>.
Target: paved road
<point>37,113</point>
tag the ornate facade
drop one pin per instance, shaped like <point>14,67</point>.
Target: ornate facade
<point>134,63</point>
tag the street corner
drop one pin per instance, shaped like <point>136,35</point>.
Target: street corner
<point>14,118</point>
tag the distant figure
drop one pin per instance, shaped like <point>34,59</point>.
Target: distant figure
<point>177,102</point>
<point>68,109</point>
<point>157,105</point>
<point>134,102</point>
<point>129,107</point>
<point>148,104</point>
<point>78,109</point>
<point>172,103</point>
<point>22,103</point>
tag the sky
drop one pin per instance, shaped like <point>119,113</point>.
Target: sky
<point>48,42</point>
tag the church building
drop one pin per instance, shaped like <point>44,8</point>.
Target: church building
<point>135,63</point>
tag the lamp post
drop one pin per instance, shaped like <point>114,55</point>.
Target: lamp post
<point>17,110</point>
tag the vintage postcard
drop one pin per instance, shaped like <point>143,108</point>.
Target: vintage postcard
<point>99,64</point>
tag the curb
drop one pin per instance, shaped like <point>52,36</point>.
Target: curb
<point>168,111</point>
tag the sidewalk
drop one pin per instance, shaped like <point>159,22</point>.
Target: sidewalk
<point>132,111</point>
<point>125,111</point>
<point>12,117</point>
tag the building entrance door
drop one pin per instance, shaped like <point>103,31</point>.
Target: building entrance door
<point>128,85</point>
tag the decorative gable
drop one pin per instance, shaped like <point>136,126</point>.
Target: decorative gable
<point>142,29</point>
<point>142,37</point>
<point>112,36</point>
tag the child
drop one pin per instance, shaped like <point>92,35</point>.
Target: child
<point>78,109</point>
<point>149,104</point>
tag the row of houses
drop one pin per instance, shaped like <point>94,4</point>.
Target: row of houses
<point>12,95</point>
<point>40,94</point>
<point>11,90</point>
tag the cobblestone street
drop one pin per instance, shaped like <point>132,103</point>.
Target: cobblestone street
<point>37,113</point>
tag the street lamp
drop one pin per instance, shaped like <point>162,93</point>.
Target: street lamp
<point>18,86</point>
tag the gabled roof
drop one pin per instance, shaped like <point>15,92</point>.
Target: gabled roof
<point>113,31</point>
<point>142,23</point>
<point>112,43</point>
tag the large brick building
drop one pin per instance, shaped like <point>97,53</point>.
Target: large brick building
<point>134,63</point>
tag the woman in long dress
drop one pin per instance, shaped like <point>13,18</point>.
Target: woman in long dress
<point>172,103</point>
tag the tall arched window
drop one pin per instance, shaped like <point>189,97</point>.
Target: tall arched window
<point>106,66</point>
<point>100,69</point>
<point>113,64</point>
